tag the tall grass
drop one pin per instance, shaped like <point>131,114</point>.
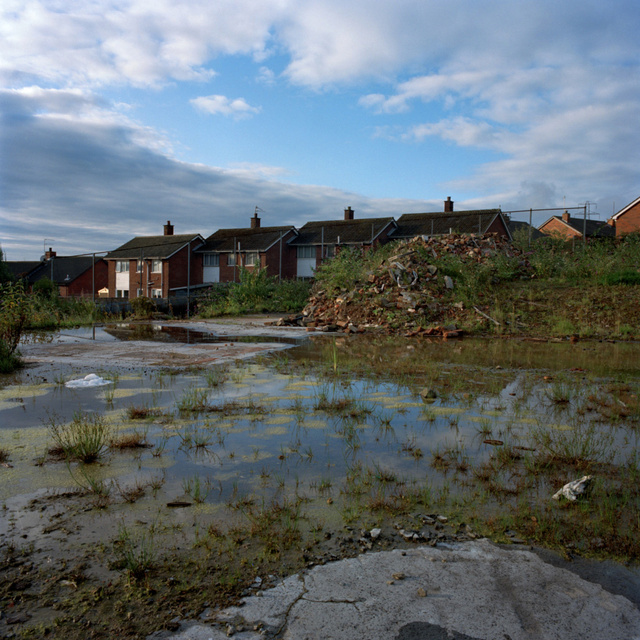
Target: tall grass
<point>256,292</point>
<point>84,439</point>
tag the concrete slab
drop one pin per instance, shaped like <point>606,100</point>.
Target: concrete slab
<point>467,591</point>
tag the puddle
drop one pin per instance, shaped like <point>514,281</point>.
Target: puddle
<point>157,332</point>
<point>337,423</point>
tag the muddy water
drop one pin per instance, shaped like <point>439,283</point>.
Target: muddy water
<point>332,420</point>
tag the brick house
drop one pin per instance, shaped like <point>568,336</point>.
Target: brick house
<point>73,276</point>
<point>321,239</point>
<point>627,220</point>
<point>570,228</point>
<point>226,251</point>
<point>480,221</point>
<point>153,266</point>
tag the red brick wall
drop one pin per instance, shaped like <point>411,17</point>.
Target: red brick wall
<point>556,227</point>
<point>178,273</point>
<point>497,226</point>
<point>272,261</point>
<point>629,221</point>
<point>82,287</point>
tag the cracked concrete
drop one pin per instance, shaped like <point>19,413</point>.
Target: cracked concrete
<point>466,591</point>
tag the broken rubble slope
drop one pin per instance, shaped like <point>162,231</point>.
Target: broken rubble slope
<point>416,290</point>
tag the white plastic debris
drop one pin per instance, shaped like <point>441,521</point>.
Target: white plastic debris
<point>573,489</point>
<point>92,380</point>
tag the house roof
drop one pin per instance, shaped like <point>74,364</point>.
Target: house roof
<point>519,225</point>
<point>21,269</point>
<point>152,247</point>
<point>62,269</point>
<point>342,231</point>
<point>438,223</point>
<point>596,228</point>
<point>625,209</point>
<point>259,239</point>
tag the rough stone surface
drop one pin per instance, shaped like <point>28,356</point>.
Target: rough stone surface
<point>474,591</point>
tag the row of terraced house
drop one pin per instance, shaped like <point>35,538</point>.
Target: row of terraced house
<point>170,264</point>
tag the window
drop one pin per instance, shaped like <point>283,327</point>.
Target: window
<point>329,250</point>
<point>231,260</point>
<point>122,293</point>
<point>139,264</point>
<point>251,259</point>
<point>211,260</point>
<point>140,293</point>
<point>156,293</point>
<point>306,252</point>
<point>122,266</point>
<point>156,266</point>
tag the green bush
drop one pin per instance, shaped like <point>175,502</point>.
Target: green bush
<point>14,314</point>
<point>143,307</point>
<point>256,292</point>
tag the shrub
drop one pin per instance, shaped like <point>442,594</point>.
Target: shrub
<point>14,313</point>
<point>143,307</point>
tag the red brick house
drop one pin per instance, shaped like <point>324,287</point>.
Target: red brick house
<point>627,220</point>
<point>153,266</point>
<point>480,221</point>
<point>225,252</point>
<point>570,228</point>
<point>73,276</point>
<point>321,239</point>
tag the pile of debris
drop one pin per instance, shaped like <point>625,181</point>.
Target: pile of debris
<point>407,291</point>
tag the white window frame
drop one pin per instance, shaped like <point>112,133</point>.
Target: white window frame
<point>122,266</point>
<point>231,260</point>
<point>156,266</point>
<point>156,293</point>
<point>252,259</point>
<point>122,293</point>
<point>306,251</point>
<point>211,260</point>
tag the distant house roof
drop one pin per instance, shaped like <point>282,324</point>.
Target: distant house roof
<point>62,269</point>
<point>438,223</point>
<point>258,239</point>
<point>150,247</point>
<point>595,228</point>
<point>363,231</point>
<point>519,226</point>
<point>625,209</point>
<point>21,269</point>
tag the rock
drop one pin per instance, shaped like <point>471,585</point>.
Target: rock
<point>448,282</point>
<point>428,394</point>
<point>375,533</point>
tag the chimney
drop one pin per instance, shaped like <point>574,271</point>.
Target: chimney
<point>168,229</point>
<point>255,221</point>
<point>49,254</point>
<point>448,205</point>
<point>348,213</point>
<point>566,216</point>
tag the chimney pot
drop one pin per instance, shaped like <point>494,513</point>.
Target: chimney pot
<point>49,254</point>
<point>448,205</point>
<point>348,213</point>
<point>566,216</point>
<point>168,228</point>
<point>255,221</point>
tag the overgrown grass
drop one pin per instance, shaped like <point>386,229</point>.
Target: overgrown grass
<point>256,292</point>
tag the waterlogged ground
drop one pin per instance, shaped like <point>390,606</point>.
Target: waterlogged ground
<point>217,471</point>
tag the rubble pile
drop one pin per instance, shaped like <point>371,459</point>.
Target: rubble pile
<point>409,292</point>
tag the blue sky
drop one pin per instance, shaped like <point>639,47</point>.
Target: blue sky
<point>118,115</point>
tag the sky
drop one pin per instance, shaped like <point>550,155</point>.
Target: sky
<point>119,115</point>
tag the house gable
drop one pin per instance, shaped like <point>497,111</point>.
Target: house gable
<point>627,220</point>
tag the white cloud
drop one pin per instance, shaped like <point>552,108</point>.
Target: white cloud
<point>221,105</point>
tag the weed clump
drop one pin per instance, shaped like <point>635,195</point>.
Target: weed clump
<point>85,438</point>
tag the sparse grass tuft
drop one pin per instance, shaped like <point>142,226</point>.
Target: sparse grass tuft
<point>85,438</point>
